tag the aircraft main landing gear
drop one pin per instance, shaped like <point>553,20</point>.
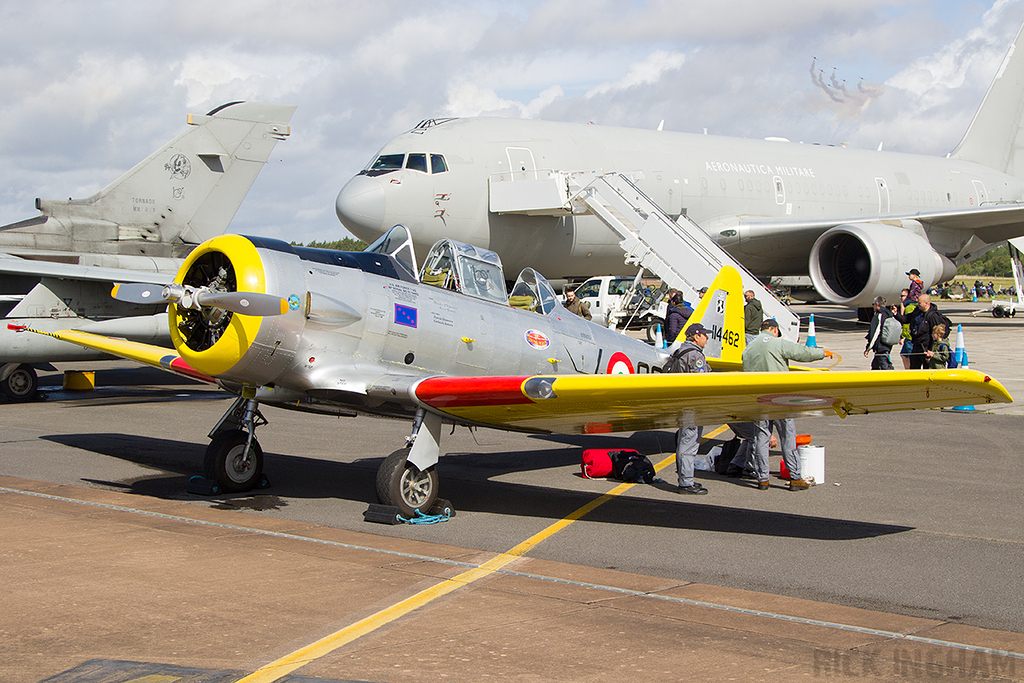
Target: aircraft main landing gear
<point>403,485</point>
<point>407,479</point>
<point>19,383</point>
<point>234,458</point>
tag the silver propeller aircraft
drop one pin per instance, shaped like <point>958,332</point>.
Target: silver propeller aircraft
<point>347,333</point>
<point>854,221</point>
<point>56,269</point>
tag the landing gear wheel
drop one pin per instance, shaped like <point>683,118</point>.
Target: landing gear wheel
<point>225,461</point>
<point>21,385</point>
<point>997,312</point>
<point>401,484</point>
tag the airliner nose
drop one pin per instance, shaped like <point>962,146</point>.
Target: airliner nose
<point>360,206</point>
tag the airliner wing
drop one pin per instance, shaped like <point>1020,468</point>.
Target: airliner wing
<point>992,223</point>
<point>615,403</point>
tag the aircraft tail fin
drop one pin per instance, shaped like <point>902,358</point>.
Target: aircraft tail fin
<point>185,192</point>
<point>995,137</point>
<point>721,311</point>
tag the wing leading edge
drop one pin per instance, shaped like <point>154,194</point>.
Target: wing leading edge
<point>613,403</point>
<point>147,354</point>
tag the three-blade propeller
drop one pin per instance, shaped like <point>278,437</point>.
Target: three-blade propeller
<point>244,303</point>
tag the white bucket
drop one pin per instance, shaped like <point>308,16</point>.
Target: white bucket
<point>812,463</point>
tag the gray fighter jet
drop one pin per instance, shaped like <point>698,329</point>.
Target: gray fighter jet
<point>854,221</point>
<point>56,269</point>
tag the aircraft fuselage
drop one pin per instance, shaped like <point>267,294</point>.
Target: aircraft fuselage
<point>726,185</point>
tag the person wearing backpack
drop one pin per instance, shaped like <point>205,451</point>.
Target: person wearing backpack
<point>689,358</point>
<point>880,335</point>
<point>939,353</point>
<point>921,322</point>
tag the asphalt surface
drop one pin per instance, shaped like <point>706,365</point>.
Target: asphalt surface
<point>916,529</point>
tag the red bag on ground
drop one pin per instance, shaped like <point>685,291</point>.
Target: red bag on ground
<point>596,463</point>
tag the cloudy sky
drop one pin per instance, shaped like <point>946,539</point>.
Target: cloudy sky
<point>89,89</point>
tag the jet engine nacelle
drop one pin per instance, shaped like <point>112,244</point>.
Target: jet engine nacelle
<point>852,264</point>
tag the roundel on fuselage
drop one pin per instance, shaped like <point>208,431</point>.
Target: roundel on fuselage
<point>619,364</point>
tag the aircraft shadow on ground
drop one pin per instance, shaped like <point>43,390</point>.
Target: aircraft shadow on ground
<point>465,481</point>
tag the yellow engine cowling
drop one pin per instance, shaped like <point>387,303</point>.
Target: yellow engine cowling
<point>251,350</point>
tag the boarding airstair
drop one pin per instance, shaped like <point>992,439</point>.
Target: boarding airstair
<point>678,252</point>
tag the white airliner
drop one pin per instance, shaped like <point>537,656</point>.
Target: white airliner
<point>855,221</point>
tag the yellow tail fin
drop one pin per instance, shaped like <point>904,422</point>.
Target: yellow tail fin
<point>721,311</point>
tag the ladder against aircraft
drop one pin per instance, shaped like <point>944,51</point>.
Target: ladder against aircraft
<point>678,252</point>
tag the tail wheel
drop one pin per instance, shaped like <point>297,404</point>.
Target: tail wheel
<point>401,484</point>
<point>21,384</point>
<point>227,463</point>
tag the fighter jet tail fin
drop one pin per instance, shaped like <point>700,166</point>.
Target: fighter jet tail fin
<point>995,137</point>
<point>721,311</point>
<point>185,192</point>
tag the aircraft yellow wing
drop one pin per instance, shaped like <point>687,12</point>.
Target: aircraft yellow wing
<point>148,354</point>
<point>614,403</point>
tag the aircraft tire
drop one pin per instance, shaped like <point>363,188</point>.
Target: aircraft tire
<point>224,464</point>
<point>400,484</point>
<point>652,327</point>
<point>21,385</point>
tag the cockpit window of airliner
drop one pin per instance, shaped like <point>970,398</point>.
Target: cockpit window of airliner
<point>385,163</point>
<point>437,164</point>
<point>417,162</point>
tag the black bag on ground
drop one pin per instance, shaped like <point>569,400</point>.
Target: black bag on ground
<point>639,470</point>
<point>629,466</point>
<point>729,449</point>
<point>619,461</point>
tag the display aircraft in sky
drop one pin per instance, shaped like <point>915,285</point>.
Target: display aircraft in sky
<point>344,333</point>
<point>855,221</point>
<point>56,269</point>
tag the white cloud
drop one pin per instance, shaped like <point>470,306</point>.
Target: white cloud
<point>111,81</point>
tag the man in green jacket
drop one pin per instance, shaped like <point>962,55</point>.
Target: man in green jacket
<point>769,352</point>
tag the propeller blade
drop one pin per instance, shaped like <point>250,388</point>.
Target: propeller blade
<point>245,303</point>
<point>133,293</point>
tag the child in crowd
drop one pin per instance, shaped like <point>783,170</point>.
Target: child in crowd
<point>938,354</point>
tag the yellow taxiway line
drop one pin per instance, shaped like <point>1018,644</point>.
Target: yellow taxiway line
<point>303,656</point>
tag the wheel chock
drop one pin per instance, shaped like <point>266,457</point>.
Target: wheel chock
<point>382,514</point>
<point>442,507</point>
<point>201,486</point>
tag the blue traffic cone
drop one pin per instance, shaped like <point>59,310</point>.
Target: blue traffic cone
<point>659,341</point>
<point>811,338</point>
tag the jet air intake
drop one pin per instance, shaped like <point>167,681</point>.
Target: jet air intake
<point>852,264</point>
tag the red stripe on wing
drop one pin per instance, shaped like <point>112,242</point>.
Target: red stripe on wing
<point>460,392</point>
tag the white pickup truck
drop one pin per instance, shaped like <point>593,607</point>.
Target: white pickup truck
<point>619,301</point>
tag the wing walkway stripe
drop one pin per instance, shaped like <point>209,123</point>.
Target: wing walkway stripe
<point>285,665</point>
